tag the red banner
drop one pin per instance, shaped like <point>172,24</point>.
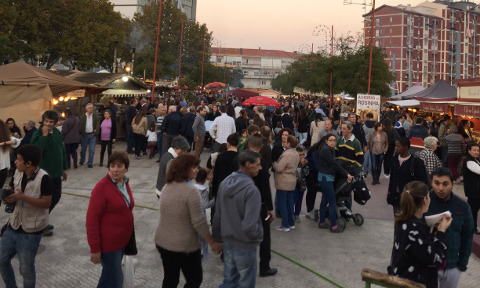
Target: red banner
<point>467,110</point>
<point>434,107</point>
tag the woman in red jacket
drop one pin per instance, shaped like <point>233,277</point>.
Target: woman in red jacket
<point>110,220</point>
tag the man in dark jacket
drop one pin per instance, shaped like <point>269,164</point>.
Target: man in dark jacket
<point>29,128</point>
<point>460,232</point>
<point>179,146</point>
<point>171,127</point>
<point>287,119</point>
<point>187,123</point>
<point>130,113</point>
<point>262,182</point>
<point>418,130</point>
<point>358,131</point>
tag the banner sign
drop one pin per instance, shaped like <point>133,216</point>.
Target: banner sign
<point>467,110</point>
<point>434,107</point>
<point>368,104</point>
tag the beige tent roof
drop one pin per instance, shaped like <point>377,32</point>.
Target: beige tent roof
<point>20,73</point>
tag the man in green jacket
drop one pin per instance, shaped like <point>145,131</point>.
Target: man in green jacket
<point>54,158</point>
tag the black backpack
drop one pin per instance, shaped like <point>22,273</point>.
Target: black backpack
<point>361,194</point>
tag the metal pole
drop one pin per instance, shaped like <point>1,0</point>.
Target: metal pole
<point>203,61</point>
<point>133,61</point>
<point>180,59</point>
<point>331,74</point>
<point>371,48</point>
<point>156,50</point>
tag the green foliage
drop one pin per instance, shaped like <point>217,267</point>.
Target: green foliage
<point>47,30</point>
<point>145,34</point>
<point>350,72</point>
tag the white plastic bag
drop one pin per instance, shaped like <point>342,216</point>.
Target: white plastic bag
<point>128,270</point>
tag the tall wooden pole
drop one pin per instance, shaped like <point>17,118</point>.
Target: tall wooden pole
<point>156,49</point>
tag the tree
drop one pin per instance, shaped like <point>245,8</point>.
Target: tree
<point>145,33</point>
<point>50,30</point>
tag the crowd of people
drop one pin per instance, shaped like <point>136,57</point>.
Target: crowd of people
<point>303,145</point>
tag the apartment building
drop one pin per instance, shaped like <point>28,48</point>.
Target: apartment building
<point>259,66</point>
<point>428,42</point>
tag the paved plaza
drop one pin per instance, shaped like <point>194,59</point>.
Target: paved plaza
<point>305,257</point>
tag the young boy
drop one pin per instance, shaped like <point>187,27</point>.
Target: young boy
<point>302,173</point>
<point>33,195</point>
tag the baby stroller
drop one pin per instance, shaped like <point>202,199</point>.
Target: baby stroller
<point>343,192</point>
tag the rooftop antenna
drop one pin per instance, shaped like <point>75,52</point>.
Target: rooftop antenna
<point>364,3</point>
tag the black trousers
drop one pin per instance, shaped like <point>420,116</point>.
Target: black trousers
<point>474,206</point>
<point>265,245</point>
<point>56,192</point>
<point>311,190</point>
<point>387,161</point>
<point>3,176</point>
<point>104,145</point>
<point>189,263</point>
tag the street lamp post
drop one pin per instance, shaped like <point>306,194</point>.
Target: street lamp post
<point>319,29</point>
<point>180,59</point>
<point>133,60</point>
<point>203,61</point>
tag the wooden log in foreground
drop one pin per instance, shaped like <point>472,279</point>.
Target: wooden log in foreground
<point>372,276</point>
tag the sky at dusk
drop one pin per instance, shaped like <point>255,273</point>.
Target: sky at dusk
<point>278,24</point>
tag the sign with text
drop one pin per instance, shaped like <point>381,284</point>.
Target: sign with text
<point>467,110</point>
<point>368,104</point>
<point>76,93</point>
<point>434,107</point>
<point>469,93</point>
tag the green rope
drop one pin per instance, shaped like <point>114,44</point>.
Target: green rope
<point>273,250</point>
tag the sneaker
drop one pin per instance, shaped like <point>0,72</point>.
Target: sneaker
<point>323,225</point>
<point>281,228</point>
<point>292,227</point>
<point>297,218</point>
<point>387,176</point>
<point>336,229</point>
<point>459,179</point>
<point>310,215</point>
<point>138,157</point>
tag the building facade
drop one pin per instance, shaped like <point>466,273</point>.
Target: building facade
<point>428,42</point>
<point>259,66</point>
<point>188,7</point>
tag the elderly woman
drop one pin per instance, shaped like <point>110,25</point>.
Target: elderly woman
<point>181,223</point>
<point>110,220</point>
<point>428,156</point>
<point>471,180</point>
<point>279,145</point>
<point>285,181</point>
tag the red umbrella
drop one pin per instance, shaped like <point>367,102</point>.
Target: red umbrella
<point>215,85</point>
<point>261,101</point>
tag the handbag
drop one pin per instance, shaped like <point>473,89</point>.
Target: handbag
<point>131,248</point>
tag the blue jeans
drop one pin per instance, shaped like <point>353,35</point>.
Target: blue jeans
<point>367,164</point>
<point>297,200</point>
<point>239,267</point>
<point>88,140</point>
<point>328,196</point>
<point>25,246</point>
<point>71,150</point>
<point>377,161</point>
<point>285,206</point>
<point>130,138</point>
<point>112,275</point>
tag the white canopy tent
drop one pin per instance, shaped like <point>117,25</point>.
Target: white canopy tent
<point>406,103</point>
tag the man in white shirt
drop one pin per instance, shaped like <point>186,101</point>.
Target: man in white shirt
<point>89,127</point>
<point>224,126</point>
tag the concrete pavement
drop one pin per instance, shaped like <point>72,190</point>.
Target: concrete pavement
<point>301,256</point>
